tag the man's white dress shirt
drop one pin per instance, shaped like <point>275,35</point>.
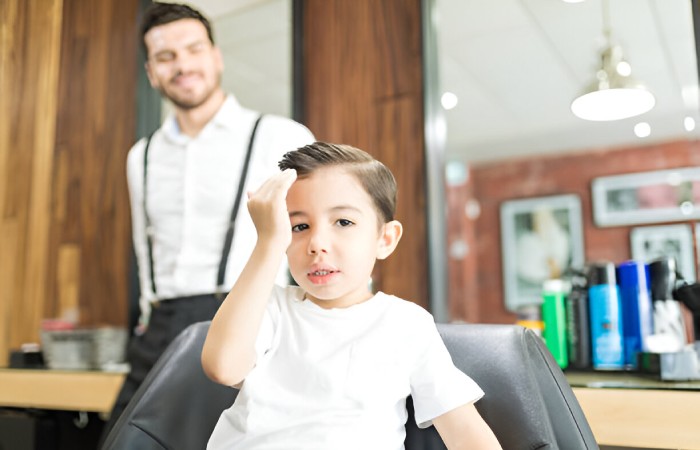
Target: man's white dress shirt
<point>192,184</point>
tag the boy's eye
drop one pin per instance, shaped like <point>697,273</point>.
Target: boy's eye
<point>344,222</point>
<point>299,227</point>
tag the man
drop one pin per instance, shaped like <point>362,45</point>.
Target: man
<point>187,182</point>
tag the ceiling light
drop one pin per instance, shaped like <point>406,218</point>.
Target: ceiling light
<point>613,94</point>
<point>642,129</point>
<point>449,100</point>
<point>690,96</point>
<point>689,123</point>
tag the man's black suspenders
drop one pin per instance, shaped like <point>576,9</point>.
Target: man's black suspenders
<point>232,221</point>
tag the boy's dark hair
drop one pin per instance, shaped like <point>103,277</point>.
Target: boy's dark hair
<point>159,13</point>
<point>374,176</point>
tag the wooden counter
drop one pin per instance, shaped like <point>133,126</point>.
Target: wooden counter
<point>633,411</point>
<point>90,391</point>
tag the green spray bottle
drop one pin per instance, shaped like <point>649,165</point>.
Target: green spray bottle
<point>554,317</point>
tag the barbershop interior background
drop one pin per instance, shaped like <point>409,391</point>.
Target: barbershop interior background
<point>473,115</point>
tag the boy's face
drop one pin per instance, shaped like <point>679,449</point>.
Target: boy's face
<point>336,237</point>
<point>182,62</point>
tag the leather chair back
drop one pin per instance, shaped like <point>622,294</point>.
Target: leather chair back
<point>528,402</point>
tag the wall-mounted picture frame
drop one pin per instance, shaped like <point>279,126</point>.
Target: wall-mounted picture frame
<point>646,197</point>
<point>541,239</point>
<point>676,241</point>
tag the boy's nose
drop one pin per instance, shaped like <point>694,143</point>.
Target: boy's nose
<point>317,244</point>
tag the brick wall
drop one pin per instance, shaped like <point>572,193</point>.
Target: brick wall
<point>476,287</point>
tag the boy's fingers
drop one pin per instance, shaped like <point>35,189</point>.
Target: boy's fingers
<point>288,178</point>
<point>278,183</point>
<point>281,182</point>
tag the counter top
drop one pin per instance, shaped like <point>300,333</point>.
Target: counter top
<point>628,409</point>
<point>91,391</point>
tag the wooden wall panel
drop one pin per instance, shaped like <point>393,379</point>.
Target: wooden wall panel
<point>551,175</point>
<point>67,119</point>
<point>96,127</point>
<point>362,85</point>
<point>30,51</point>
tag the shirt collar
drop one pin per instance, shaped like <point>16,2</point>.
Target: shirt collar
<point>225,117</point>
<point>228,114</point>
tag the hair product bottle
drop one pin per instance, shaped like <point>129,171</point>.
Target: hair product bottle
<point>554,318</point>
<point>637,311</point>
<point>669,326</point>
<point>578,327</point>
<point>605,316</point>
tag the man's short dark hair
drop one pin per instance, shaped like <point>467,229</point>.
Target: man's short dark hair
<point>374,176</point>
<point>160,13</point>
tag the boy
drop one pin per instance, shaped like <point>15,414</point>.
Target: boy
<point>328,364</point>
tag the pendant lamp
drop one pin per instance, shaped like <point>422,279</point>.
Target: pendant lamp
<point>613,94</point>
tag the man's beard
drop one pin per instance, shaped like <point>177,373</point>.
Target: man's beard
<point>187,104</point>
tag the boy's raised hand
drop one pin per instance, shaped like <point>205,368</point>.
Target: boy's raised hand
<point>268,209</point>
<point>229,351</point>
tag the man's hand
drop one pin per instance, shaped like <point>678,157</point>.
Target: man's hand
<point>268,209</point>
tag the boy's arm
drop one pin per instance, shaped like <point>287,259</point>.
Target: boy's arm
<point>464,428</point>
<point>229,349</point>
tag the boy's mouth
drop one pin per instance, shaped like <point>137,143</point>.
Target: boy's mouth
<point>321,276</point>
<point>320,273</point>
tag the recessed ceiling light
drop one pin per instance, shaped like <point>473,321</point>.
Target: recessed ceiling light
<point>690,96</point>
<point>689,123</point>
<point>449,100</point>
<point>642,129</point>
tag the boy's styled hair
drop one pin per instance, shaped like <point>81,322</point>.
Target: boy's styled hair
<point>159,13</point>
<point>375,178</point>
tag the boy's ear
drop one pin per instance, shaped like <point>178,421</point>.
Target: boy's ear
<point>389,239</point>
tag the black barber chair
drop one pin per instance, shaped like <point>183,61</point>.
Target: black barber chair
<point>528,402</point>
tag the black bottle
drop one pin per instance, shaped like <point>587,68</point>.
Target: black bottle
<point>578,325</point>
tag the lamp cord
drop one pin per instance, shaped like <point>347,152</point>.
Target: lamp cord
<point>605,6</point>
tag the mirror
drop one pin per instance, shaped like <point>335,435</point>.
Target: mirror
<point>509,71</point>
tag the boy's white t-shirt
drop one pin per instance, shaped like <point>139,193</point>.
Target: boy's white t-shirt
<point>339,378</point>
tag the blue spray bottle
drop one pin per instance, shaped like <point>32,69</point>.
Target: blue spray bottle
<point>637,311</point>
<point>605,317</point>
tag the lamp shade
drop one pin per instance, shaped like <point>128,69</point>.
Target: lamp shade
<point>614,94</point>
